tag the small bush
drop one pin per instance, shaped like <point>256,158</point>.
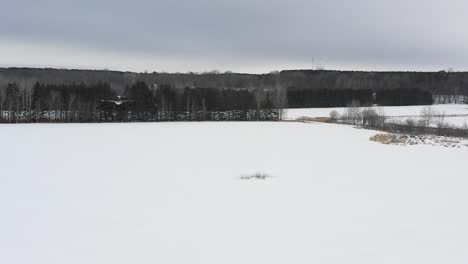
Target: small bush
<point>256,176</point>
<point>369,117</point>
<point>410,125</point>
<point>465,128</point>
<point>334,115</point>
<point>373,118</point>
<point>353,116</point>
<point>410,122</point>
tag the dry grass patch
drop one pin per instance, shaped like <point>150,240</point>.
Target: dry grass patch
<point>403,140</point>
<point>306,119</point>
<point>388,139</point>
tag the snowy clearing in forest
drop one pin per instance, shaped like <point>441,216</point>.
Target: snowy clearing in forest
<point>457,114</point>
<point>174,193</point>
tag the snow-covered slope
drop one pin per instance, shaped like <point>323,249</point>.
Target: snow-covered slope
<point>172,193</point>
<point>457,114</point>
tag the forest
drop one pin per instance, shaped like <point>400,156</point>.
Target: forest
<point>364,97</point>
<point>139,102</point>
<point>443,82</point>
<point>50,95</point>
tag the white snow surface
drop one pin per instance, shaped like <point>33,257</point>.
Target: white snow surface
<point>172,193</point>
<point>457,114</point>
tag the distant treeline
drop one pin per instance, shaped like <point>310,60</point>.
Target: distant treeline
<point>140,102</point>
<point>438,83</point>
<point>363,97</point>
<point>400,96</point>
<point>329,98</point>
<point>442,82</point>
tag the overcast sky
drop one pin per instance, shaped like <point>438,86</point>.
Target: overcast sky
<point>240,35</point>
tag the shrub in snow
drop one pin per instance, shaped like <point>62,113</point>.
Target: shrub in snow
<point>334,115</point>
<point>353,115</point>
<point>410,124</point>
<point>370,117</point>
<point>256,176</point>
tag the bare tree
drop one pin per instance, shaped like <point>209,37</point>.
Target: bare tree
<point>280,95</point>
<point>427,115</point>
<point>465,128</point>
<point>382,118</point>
<point>369,117</point>
<point>27,95</point>
<point>204,107</point>
<point>38,110</point>
<point>260,98</point>
<point>353,115</point>
<point>2,101</point>
<point>440,122</point>
<point>71,107</point>
<point>52,105</point>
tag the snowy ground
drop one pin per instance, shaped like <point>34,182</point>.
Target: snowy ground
<point>172,193</point>
<point>457,114</point>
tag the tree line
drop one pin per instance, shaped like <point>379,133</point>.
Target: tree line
<point>80,102</point>
<point>50,102</point>
<point>361,97</point>
<point>329,98</point>
<point>397,97</point>
<point>438,83</point>
<point>441,82</point>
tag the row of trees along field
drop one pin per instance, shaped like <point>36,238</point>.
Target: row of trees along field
<point>98,103</point>
<point>80,102</point>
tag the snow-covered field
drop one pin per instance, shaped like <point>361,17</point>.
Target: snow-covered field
<point>172,193</point>
<point>457,114</point>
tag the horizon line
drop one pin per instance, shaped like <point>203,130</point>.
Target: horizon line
<point>223,72</point>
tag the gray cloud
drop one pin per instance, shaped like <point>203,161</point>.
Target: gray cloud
<point>418,34</point>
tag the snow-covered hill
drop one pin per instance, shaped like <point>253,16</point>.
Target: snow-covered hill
<point>173,193</point>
